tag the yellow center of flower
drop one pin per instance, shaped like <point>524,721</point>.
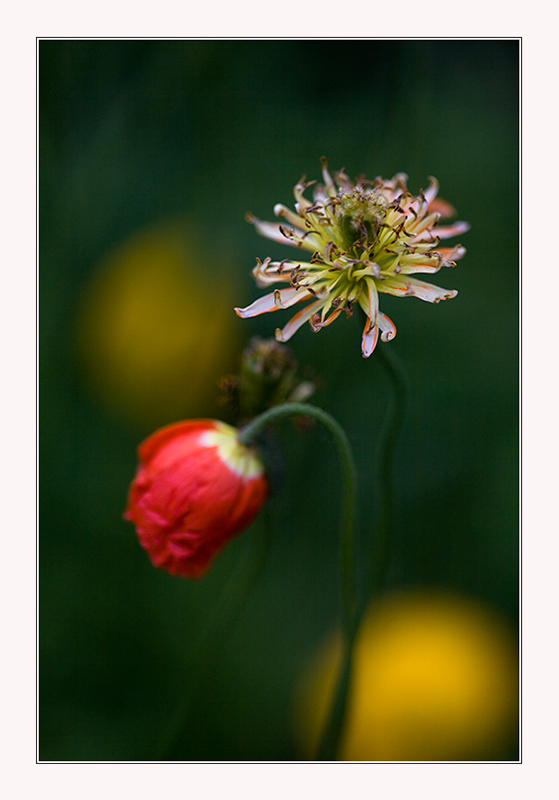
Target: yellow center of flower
<point>238,458</point>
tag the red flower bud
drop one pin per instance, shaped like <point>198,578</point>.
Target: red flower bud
<point>196,487</point>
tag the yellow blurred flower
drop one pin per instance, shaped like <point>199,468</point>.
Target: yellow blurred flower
<point>156,331</point>
<point>435,679</point>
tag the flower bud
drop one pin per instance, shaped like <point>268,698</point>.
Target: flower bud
<point>196,487</point>
<point>268,377</point>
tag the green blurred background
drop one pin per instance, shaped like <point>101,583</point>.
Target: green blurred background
<point>151,152</point>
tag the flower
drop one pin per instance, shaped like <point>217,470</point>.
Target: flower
<point>139,323</point>
<point>196,487</point>
<point>365,237</point>
<point>435,678</point>
<point>268,376</point>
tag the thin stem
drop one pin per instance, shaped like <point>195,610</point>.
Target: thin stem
<point>350,611</point>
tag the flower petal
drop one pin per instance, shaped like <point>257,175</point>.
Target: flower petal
<point>316,326</point>
<point>420,262</point>
<point>369,339</point>
<point>387,327</point>
<point>443,232</point>
<point>284,334</point>
<point>452,253</point>
<point>288,297</point>
<point>294,219</point>
<point>281,298</point>
<point>368,300</point>
<point>279,233</point>
<point>416,228</point>
<point>329,187</point>
<point>425,266</point>
<point>457,228</point>
<point>301,201</point>
<point>442,207</point>
<point>270,272</point>
<point>412,287</point>
<point>432,190</point>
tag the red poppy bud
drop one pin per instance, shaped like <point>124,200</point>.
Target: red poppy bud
<point>196,487</point>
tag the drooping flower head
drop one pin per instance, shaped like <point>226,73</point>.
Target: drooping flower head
<point>196,487</point>
<point>365,237</point>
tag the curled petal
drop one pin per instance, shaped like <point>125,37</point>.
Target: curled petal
<point>393,188</point>
<point>294,219</point>
<point>301,201</point>
<point>283,335</point>
<point>369,339</point>
<point>343,181</point>
<point>316,325</point>
<point>281,298</point>
<point>452,253</point>
<point>431,191</point>
<point>288,297</point>
<point>387,327</point>
<point>329,187</point>
<point>268,279</point>
<point>270,272</point>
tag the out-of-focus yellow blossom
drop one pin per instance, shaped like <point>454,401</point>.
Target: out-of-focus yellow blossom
<point>435,679</point>
<point>156,331</point>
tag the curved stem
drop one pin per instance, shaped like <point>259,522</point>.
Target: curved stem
<point>350,609</point>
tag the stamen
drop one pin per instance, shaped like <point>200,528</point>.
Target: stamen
<point>329,250</point>
<point>287,232</point>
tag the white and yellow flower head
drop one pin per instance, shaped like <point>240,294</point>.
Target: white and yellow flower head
<point>365,237</point>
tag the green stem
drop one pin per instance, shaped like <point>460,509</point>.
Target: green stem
<point>350,610</point>
<point>379,563</point>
